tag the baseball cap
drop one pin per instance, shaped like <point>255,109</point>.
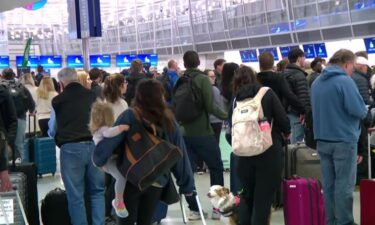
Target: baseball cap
<point>363,61</point>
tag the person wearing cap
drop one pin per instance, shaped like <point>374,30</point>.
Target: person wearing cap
<point>362,78</point>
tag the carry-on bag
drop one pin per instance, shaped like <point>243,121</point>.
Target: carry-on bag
<point>303,200</point>
<point>54,208</point>
<point>146,156</point>
<point>42,151</point>
<point>304,161</point>
<point>367,190</point>
<point>11,209</point>
<point>31,195</point>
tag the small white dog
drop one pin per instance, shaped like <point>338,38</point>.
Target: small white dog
<point>224,200</point>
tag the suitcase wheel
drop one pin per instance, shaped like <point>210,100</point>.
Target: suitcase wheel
<point>40,175</point>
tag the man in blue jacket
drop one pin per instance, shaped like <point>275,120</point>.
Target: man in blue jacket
<point>338,109</point>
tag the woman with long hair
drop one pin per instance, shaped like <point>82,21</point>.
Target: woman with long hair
<point>45,93</point>
<point>150,107</point>
<point>115,87</point>
<point>260,175</point>
<point>84,79</point>
<point>28,81</point>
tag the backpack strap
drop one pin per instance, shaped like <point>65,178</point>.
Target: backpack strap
<point>262,91</point>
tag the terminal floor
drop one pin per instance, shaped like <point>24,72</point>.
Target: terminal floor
<point>174,216</point>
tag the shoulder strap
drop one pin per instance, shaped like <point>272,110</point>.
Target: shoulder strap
<point>262,91</point>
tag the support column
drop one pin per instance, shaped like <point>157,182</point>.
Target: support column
<point>86,52</point>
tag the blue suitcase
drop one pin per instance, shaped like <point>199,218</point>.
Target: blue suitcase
<point>44,152</point>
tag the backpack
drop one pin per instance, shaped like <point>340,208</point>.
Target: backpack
<point>248,137</point>
<point>166,82</point>
<point>187,99</point>
<point>17,92</point>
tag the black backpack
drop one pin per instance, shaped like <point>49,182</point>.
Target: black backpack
<point>54,208</point>
<point>187,99</point>
<point>18,93</point>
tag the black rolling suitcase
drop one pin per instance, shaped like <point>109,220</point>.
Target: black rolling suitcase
<point>54,208</point>
<point>31,196</point>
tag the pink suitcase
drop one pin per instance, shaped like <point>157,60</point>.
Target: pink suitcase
<point>367,192</point>
<point>303,201</point>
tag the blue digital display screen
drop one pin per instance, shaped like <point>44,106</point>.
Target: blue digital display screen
<point>32,63</point>
<point>124,60</point>
<point>51,61</point>
<point>300,23</point>
<point>75,61</point>
<point>100,61</point>
<point>364,4</point>
<point>279,28</point>
<point>309,51</point>
<point>285,50</point>
<point>4,61</point>
<point>370,45</point>
<point>320,50</point>
<point>273,51</point>
<point>249,56</point>
<point>151,59</point>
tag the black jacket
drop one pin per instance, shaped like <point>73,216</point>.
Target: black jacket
<point>281,88</point>
<point>363,83</point>
<point>272,108</point>
<point>8,124</point>
<point>133,79</point>
<point>72,108</point>
<point>312,78</point>
<point>296,78</point>
<point>28,103</point>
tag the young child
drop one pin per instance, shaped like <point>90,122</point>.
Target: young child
<point>100,125</point>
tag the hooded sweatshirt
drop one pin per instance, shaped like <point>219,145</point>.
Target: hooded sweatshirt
<point>337,106</point>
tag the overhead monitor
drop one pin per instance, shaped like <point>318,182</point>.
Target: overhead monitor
<point>273,51</point>
<point>285,50</point>
<point>320,50</point>
<point>124,60</point>
<point>100,61</point>
<point>249,55</point>
<point>32,63</point>
<point>51,61</point>
<point>4,61</point>
<point>75,61</point>
<point>309,51</point>
<point>151,59</point>
<point>370,45</point>
<point>279,28</point>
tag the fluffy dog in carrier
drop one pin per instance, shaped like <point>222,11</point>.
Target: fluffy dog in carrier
<point>225,202</point>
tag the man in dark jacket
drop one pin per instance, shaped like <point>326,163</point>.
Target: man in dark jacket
<point>296,78</point>
<point>23,101</point>
<point>8,130</point>
<point>317,67</point>
<point>133,79</point>
<point>277,82</point>
<point>218,65</point>
<point>72,109</point>
<point>96,78</point>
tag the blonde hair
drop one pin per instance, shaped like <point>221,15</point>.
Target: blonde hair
<point>46,86</point>
<point>82,78</point>
<point>28,79</point>
<point>101,115</point>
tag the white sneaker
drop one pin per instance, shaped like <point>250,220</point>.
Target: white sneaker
<point>195,215</point>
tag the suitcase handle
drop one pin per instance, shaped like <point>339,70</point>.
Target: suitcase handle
<point>286,160</point>
<point>34,133</point>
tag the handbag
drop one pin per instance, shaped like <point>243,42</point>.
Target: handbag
<point>146,155</point>
<point>169,194</point>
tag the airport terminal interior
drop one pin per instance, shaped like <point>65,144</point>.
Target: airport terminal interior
<point>45,36</point>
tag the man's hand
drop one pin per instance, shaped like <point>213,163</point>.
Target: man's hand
<point>359,159</point>
<point>5,183</point>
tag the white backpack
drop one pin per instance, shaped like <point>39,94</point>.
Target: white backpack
<point>247,137</point>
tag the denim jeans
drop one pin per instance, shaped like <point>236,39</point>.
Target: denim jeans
<point>339,168</point>
<point>20,139</point>
<point>297,130</point>
<point>207,149</point>
<point>79,175</point>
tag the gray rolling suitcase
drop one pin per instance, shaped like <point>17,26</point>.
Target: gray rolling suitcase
<point>304,161</point>
<point>19,184</point>
<point>11,209</point>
